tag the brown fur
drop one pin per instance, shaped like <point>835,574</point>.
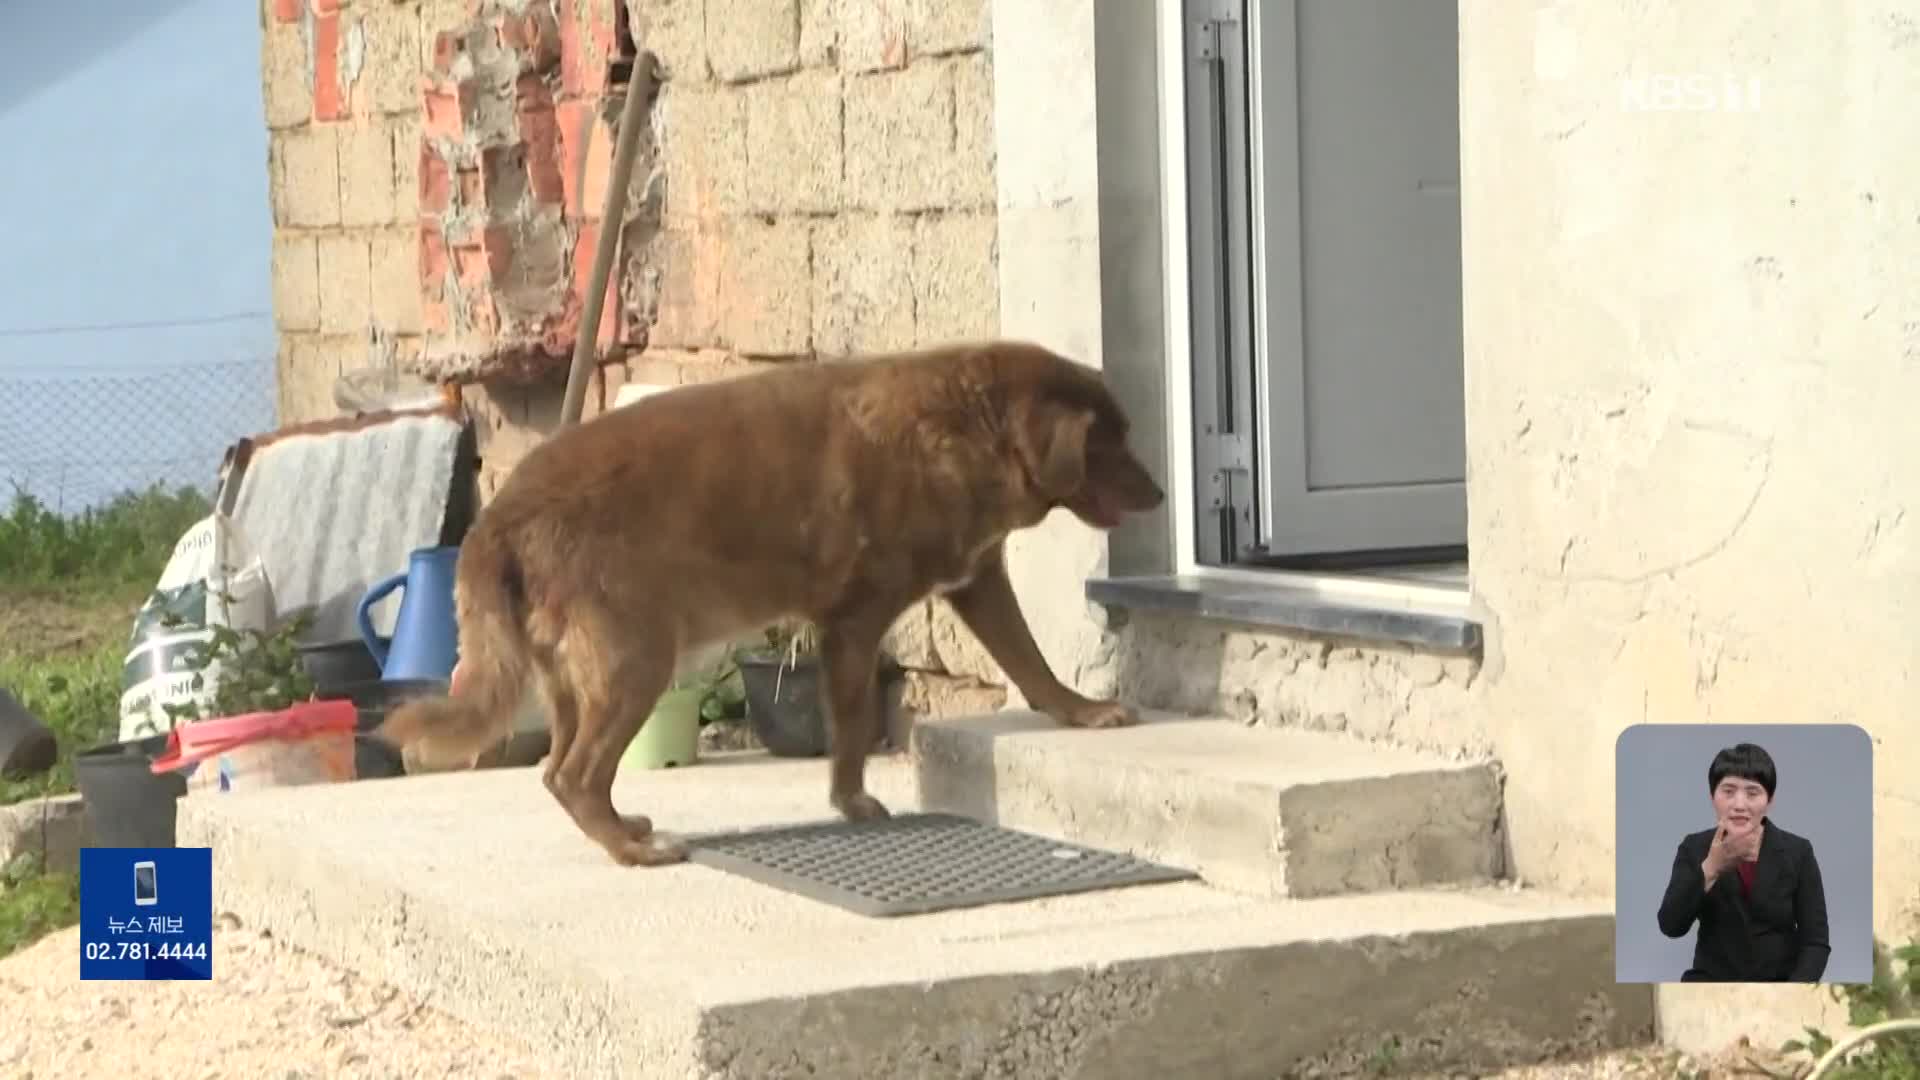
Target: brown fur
<point>841,493</point>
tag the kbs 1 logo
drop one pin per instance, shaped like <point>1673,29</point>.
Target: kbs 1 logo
<point>1696,92</point>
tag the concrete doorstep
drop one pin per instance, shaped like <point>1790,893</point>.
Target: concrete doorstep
<point>475,889</point>
<point>1264,811</point>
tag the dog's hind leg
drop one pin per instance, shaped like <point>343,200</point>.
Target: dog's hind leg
<point>563,719</point>
<point>850,651</point>
<point>613,679</point>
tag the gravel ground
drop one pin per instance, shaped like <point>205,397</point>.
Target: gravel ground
<point>1737,1063</point>
<point>276,1012</point>
<point>272,1012</point>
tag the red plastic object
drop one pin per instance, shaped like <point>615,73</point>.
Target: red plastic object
<point>203,739</point>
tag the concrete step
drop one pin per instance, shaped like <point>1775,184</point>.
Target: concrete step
<point>475,889</point>
<point>1269,812</point>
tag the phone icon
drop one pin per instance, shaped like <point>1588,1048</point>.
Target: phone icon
<point>146,885</point>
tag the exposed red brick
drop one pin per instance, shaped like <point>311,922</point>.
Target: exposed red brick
<point>444,117</point>
<point>447,46</point>
<point>434,317</point>
<point>433,258</point>
<point>436,181</point>
<point>470,266</point>
<point>287,10</point>
<point>584,243</point>
<point>543,173</point>
<point>579,76</point>
<point>541,135</point>
<point>497,243</point>
<point>531,93</point>
<point>584,246</point>
<point>602,40</point>
<point>573,150</point>
<point>329,102</point>
<point>326,7</point>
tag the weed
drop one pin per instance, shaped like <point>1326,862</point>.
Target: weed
<point>259,671</point>
<point>1384,1057</point>
<point>1893,993</point>
<point>77,695</point>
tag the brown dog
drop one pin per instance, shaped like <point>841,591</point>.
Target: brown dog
<point>840,493</point>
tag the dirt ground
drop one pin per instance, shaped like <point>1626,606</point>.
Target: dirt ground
<point>272,1011</point>
<point>275,1011</point>
<point>37,622</point>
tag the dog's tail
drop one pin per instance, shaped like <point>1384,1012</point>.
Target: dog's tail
<point>493,671</point>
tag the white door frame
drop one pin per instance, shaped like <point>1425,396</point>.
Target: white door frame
<point>1178,346</point>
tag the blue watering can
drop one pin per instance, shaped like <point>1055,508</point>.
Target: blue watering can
<point>426,638</point>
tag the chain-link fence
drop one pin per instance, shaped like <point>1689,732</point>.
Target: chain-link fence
<point>75,438</point>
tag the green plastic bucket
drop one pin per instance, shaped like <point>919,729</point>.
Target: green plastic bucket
<point>671,735</point>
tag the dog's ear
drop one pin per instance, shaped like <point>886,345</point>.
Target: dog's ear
<point>1052,439</point>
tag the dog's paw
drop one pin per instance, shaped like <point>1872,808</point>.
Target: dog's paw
<point>860,807</point>
<point>652,850</point>
<point>1101,714</point>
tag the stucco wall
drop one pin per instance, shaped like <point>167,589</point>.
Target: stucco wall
<point>1693,353</point>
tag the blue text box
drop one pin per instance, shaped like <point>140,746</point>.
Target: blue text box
<point>146,913</point>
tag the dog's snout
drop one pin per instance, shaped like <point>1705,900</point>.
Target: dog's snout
<point>1138,488</point>
<point>1150,494</point>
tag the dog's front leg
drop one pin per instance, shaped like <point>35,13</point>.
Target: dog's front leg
<point>991,611</point>
<point>850,651</point>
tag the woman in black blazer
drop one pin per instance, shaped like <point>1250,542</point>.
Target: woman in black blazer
<point>1753,887</point>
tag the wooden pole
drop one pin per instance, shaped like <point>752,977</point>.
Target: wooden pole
<point>640,91</point>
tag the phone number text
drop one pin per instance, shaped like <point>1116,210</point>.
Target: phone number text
<point>146,950</point>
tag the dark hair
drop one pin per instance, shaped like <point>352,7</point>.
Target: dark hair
<point>1745,761</point>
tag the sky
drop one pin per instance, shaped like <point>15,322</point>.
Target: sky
<point>136,330</point>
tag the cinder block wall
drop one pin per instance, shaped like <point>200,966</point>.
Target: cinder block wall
<point>342,97</point>
<point>817,180</point>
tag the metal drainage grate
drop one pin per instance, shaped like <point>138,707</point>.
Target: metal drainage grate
<point>916,863</point>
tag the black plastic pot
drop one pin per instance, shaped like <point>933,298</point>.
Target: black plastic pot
<point>336,665</point>
<point>27,748</point>
<point>125,803</point>
<point>372,700</point>
<point>783,704</point>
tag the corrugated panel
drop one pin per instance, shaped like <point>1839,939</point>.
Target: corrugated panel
<point>333,508</point>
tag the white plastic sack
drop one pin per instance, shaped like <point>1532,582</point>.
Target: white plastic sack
<point>213,579</point>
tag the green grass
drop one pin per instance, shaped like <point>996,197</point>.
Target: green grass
<point>34,903</point>
<point>69,586</point>
<point>125,542</point>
